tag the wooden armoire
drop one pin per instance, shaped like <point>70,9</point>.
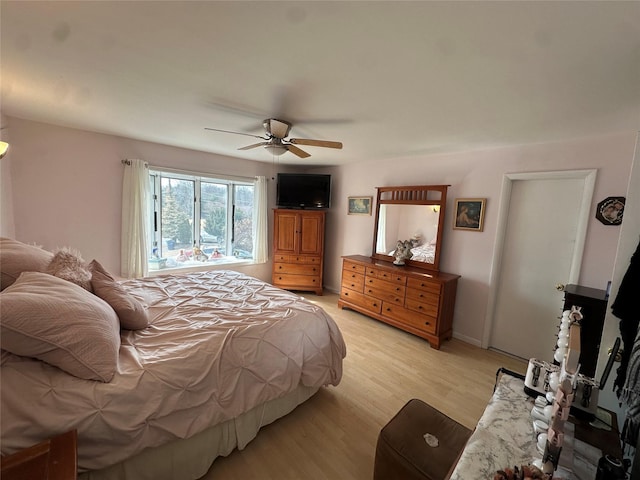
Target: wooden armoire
<point>298,248</point>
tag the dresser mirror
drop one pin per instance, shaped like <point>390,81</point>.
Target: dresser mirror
<point>414,214</point>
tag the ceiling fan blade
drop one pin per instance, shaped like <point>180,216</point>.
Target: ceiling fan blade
<point>297,151</point>
<point>316,143</point>
<point>236,133</point>
<point>249,147</point>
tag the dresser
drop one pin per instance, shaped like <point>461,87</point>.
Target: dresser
<point>298,248</point>
<point>406,297</point>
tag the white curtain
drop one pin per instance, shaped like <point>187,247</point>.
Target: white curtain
<point>381,245</point>
<point>135,219</point>
<point>260,221</point>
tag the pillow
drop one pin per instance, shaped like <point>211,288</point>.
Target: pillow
<point>132,314</point>
<point>69,265</point>
<point>55,321</point>
<point>17,257</point>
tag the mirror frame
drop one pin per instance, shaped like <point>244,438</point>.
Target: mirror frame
<point>412,195</point>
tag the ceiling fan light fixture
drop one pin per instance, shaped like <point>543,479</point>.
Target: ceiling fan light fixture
<point>276,149</point>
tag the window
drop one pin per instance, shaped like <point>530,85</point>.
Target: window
<point>199,219</point>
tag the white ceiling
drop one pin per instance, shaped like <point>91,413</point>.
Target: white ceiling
<point>388,79</point>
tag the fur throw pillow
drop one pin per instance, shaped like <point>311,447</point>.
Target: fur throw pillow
<point>68,264</point>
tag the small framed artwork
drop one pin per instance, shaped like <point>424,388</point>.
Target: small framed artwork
<point>360,205</point>
<point>610,210</point>
<point>469,214</point>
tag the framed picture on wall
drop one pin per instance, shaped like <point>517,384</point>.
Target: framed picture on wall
<point>469,214</point>
<point>360,205</point>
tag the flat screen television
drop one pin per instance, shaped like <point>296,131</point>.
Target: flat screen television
<point>303,190</point>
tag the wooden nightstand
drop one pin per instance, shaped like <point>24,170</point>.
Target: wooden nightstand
<point>53,459</point>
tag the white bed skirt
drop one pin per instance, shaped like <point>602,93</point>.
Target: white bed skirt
<point>191,458</point>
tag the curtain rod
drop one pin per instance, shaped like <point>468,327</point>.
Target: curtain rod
<point>198,174</point>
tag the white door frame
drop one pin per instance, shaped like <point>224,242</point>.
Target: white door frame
<point>589,177</point>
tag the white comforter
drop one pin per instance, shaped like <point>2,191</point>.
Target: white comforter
<point>219,344</point>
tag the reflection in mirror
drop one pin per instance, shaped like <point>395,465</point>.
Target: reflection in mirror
<point>418,223</point>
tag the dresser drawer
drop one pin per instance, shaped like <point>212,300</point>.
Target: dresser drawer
<point>425,323</point>
<point>281,258</point>
<point>296,269</point>
<point>372,304</point>
<point>353,281</point>
<point>386,275</point>
<point>384,286</point>
<point>285,280</point>
<point>424,296</point>
<point>352,267</point>
<point>385,294</point>
<point>423,284</point>
<point>422,307</point>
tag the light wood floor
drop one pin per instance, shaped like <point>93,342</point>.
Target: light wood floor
<point>333,435</point>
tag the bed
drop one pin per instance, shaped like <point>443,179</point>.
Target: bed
<point>222,355</point>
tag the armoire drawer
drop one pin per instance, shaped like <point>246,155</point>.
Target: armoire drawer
<point>425,323</point>
<point>369,303</point>
<point>285,280</point>
<point>296,269</point>
<point>304,259</point>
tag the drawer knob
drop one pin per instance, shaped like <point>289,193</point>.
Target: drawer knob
<point>346,294</point>
<point>427,323</point>
<point>397,289</point>
<point>388,309</point>
<point>419,307</point>
<point>375,304</point>
<point>353,284</point>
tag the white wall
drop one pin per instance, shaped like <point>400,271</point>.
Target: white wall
<point>66,186</point>
<point>478,175</point>
<point>66,190</point>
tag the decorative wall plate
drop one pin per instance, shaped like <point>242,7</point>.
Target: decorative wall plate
<point>610,210</point>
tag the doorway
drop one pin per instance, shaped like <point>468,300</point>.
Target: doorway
<point>542,225</point>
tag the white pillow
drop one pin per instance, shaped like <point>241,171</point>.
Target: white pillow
<point>60,323</point>
<point>17,257</point>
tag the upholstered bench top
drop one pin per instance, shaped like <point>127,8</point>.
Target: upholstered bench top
<point>403,453</point>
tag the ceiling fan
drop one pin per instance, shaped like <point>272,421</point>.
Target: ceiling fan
<point>276,141</point>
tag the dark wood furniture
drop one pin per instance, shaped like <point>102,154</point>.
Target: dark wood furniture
<point>412,299</point>
<point>53,459</point>
<point>594,310</point>
<point>403,454</point>
<point>298,248</point>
